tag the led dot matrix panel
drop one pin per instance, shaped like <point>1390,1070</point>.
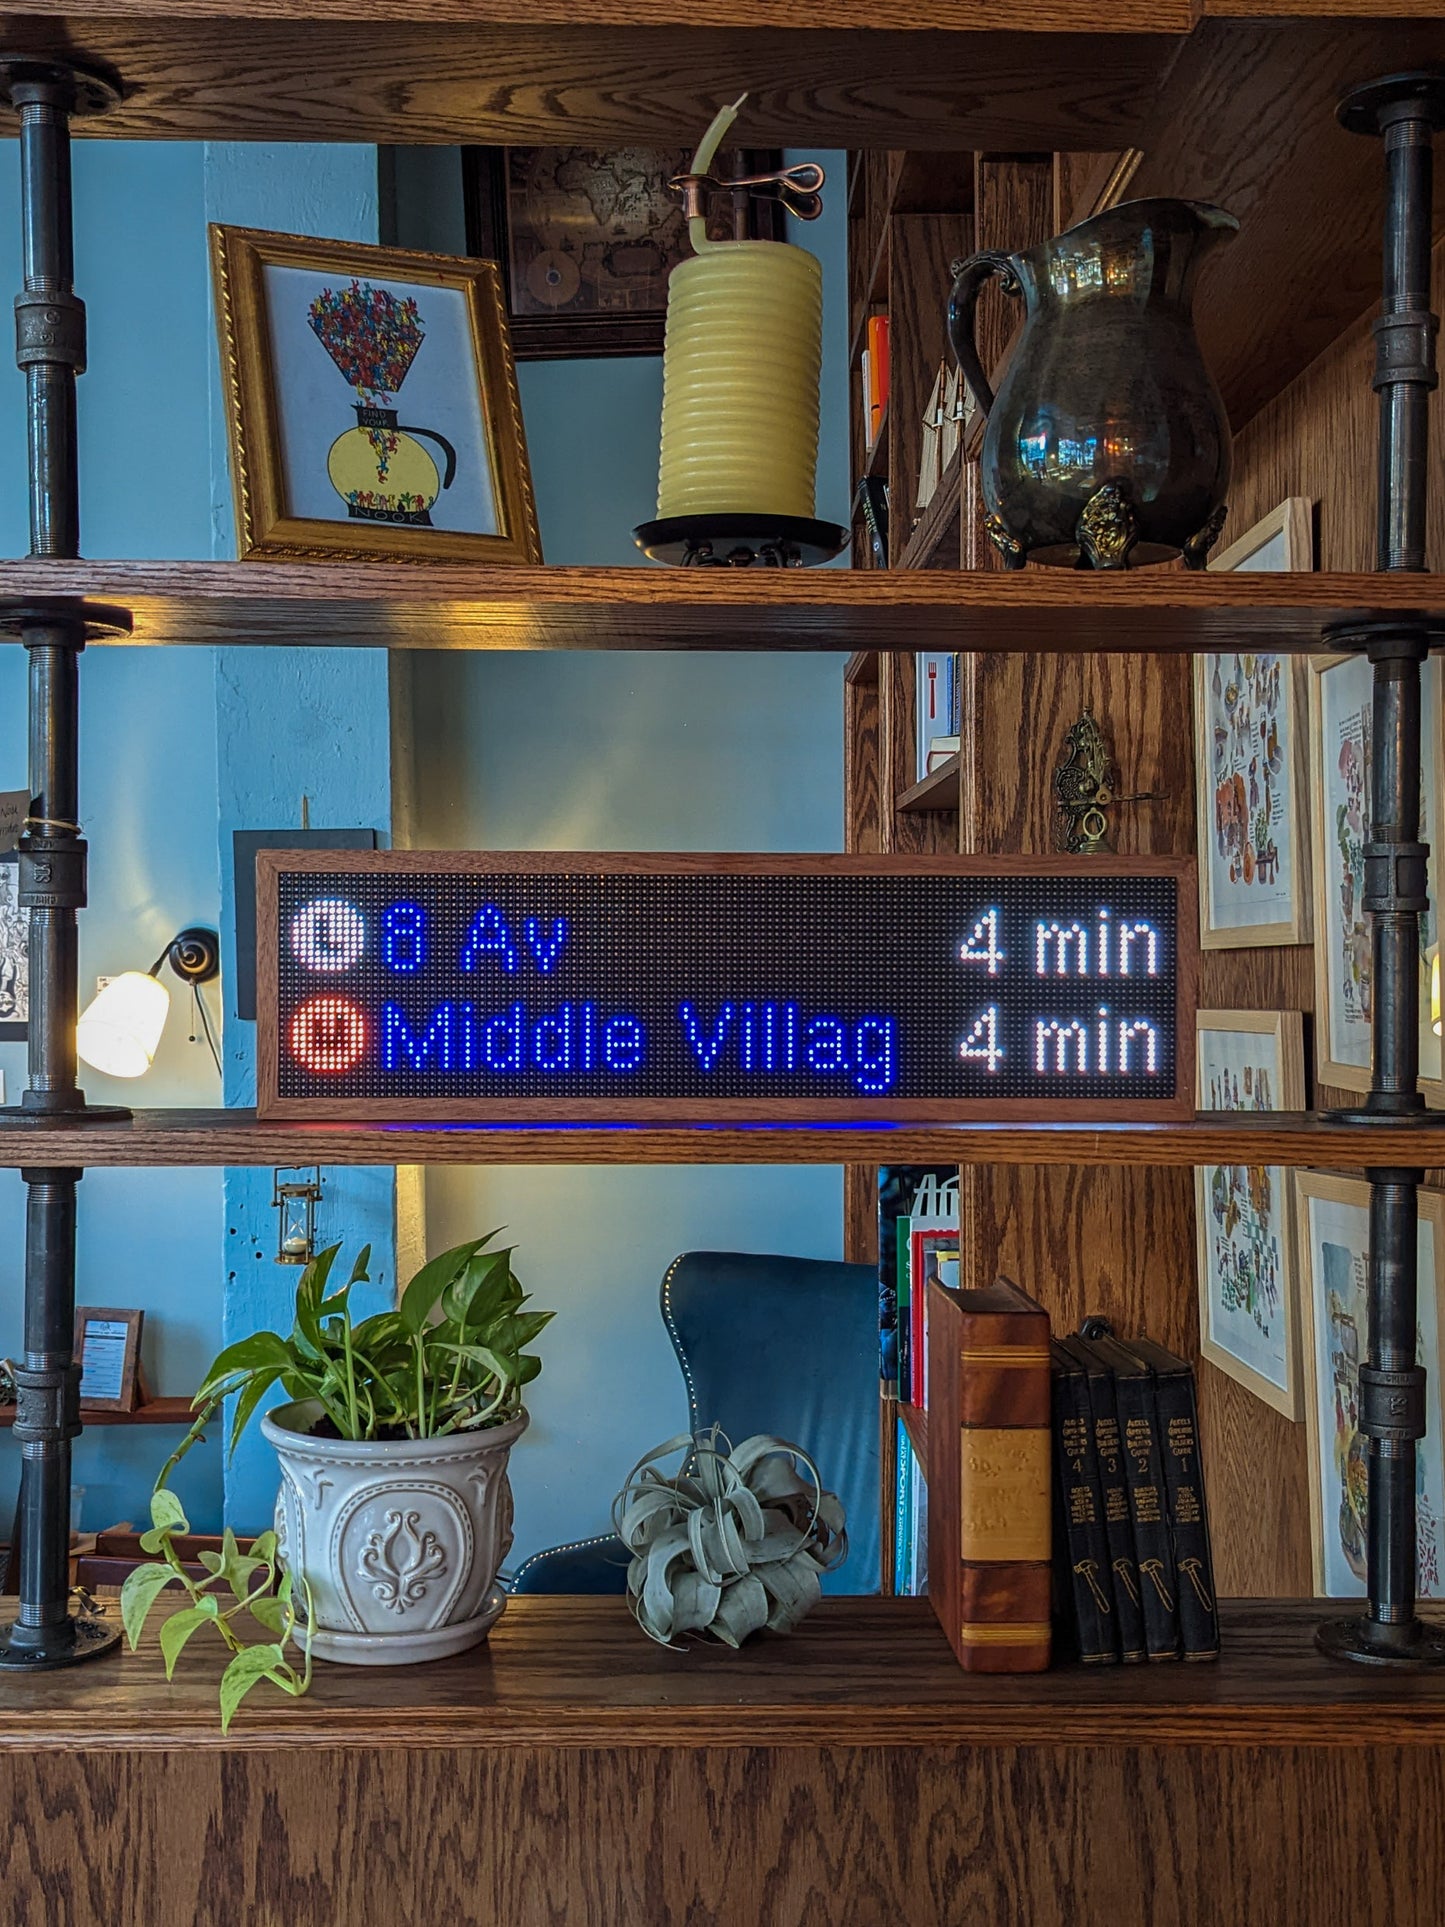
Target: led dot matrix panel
<point>411,984</point>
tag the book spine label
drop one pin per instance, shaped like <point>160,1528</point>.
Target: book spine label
<point>1082,1548</point>
<point>1118,1530</point>
<point>1153,1547</point>
<point>1188,1517</point>
<point>1005,1494</point>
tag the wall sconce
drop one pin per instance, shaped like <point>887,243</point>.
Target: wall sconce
<point>296,1199</point>
<point>120,1028</point>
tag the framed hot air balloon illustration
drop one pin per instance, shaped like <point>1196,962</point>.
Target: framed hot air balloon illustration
<point>372,403</point>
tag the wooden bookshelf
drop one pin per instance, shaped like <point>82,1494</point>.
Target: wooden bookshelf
<point>457,606</point>
<point>177,1138</point>
<point>936,791</point>
<point>915,1423</point>
<point>155,1411</point>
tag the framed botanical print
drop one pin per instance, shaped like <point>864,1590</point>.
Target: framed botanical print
<point>371,403</point>
<point>1341,690</point>
<point>14,954</point>
<point>1250,1060</point>
<point>1250,769</point>
<point>1333,1216</point>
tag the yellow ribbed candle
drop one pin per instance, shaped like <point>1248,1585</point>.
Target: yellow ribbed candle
<point>741,363</point>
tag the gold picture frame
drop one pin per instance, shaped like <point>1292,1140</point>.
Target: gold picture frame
<point>1334,1211</point>
<point>1244,1218</point>
<point>1283,540</point>
<point>306,486</point>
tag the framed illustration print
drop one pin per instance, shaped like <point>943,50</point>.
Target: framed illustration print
<point>1340,774</point>
<point>1250,770</point>
<point>1250,1060</point>
<point>371,403</point>
<point>14,953</point>
<point>1333,1218</point>
<point>107,1350</point>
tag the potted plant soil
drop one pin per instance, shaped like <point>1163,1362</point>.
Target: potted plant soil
<point>395,1510</point>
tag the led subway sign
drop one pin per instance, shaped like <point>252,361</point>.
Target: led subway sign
<point>412,984</point>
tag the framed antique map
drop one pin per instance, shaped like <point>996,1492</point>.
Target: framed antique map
<point>1341,724</point>
<point>586,241</point>
<point>1249,712</point>
<point>1333,1216</point>
<point>1250,1060</point>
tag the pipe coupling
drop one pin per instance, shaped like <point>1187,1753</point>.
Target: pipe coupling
<point>52,873</point>
<point>1405,348</point>
<point>50,328</point>
<point>1392,1404</point>
<point>1395,878</point>
<point>47,1404</point>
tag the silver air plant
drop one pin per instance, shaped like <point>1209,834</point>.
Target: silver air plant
<point>737,1538</point>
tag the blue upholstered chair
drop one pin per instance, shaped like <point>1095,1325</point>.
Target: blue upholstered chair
<point>782,1345</point>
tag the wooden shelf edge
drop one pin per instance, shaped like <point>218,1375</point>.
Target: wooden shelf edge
<point>862,668</point>
<point>576,1672</point>
<point>219,1138</point>
<point>156,1411</point>
<point>936,793</point>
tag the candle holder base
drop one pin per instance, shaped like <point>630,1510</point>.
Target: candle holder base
<point>741,541</point>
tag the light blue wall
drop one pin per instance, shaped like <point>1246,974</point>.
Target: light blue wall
<point>148,772</point>
<point>627,752</point>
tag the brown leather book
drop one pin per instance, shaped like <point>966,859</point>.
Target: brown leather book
<point>989,1488</point>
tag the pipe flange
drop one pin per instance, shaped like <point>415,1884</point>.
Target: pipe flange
<point>87,90</point>
<point>101,621</point>
<point>1420,94</point>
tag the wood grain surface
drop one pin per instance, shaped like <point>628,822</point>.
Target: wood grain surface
<point>451,606</point>
<point>577,1672</point>
<point>962,1836</point>
<point>180,1137</point>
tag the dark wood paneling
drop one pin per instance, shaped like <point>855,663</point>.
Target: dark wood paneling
<point>861,807</point>
<point>924,248</point>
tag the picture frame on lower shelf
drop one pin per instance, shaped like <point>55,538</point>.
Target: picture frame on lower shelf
<point>1250,1060</point>
<point>14,954</point>
<point>1333,1221</point>
<point>107,1350</point>
<point>1341,698</point>
<point>324,346</point>
<point>1250,765</point>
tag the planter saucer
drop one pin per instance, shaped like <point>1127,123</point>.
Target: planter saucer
<point>408,1649</point>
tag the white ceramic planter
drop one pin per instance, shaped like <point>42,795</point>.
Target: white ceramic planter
<point>400,1540</point>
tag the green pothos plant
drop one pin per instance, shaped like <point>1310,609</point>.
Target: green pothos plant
<point>450,1358</point>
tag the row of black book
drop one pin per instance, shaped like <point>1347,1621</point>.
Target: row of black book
<point>1133,1576</point>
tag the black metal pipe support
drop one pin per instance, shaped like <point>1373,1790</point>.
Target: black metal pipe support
<point>50,348</point>
<point>1403,111</point>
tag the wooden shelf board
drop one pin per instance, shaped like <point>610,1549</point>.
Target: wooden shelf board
<point>156,1411</point>
<point>934,793</point>
<point>457,606</point>
<point>184,1138</point>
<point>858,1672</point>
<point>915,1424</point>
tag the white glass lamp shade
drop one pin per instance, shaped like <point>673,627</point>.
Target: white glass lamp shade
<point>120,1028</point>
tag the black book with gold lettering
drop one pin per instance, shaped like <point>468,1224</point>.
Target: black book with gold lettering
<point>1178,1432</point>
<point>1083,1589</point>
<point>1148,1505</point>
<point>1123,1570</point>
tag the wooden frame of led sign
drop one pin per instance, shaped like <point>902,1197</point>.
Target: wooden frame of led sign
<point>396,932</point>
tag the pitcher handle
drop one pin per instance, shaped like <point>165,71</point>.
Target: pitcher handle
<point>441,441</point>
<point>968,279</point>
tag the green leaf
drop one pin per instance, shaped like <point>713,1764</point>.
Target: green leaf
<point>167,1518</point>
<point>236,1566</point>
<point>247,1355</point>
<point>142,1588</point>
<point>271,1613</point>
<point>421,1295</point>
<point>263,1547</point>
<point>255,1390</point>
<point>360,1275</point>
<point>246,1670</point>
<point>176,1630</point>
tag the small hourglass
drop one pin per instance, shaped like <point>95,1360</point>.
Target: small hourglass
<point>296,1199</point>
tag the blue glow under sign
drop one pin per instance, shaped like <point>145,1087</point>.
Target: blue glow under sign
<point>409,984</point>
